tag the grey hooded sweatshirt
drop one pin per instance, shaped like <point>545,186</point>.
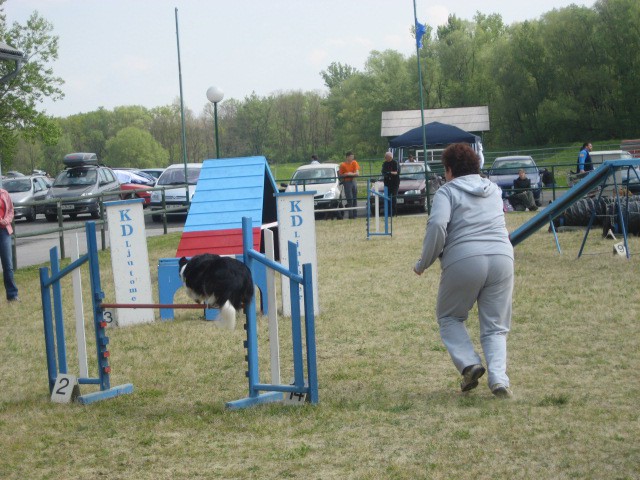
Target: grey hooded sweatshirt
<point>467,219</point>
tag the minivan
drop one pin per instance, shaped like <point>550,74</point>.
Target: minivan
<point>173,179</point>
<point>84,176</point>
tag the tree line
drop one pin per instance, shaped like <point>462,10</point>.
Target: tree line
<point>570,76</point>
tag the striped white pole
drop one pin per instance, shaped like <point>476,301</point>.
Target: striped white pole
<point>272,302</point>
<point>79,311</point>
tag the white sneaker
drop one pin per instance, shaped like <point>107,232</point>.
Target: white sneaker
<point>501,391</point>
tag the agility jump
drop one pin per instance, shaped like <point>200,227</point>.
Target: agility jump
<point>258,392</point>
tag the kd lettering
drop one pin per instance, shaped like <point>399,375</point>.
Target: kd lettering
<point>296,220</point>
<point>124,215</point>
<point>295,206</point>
<point>126,230</point>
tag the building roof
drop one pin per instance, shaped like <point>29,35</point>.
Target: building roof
<point>470,119</point>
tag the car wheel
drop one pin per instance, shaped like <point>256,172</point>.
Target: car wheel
<point>156,218</point>
<point>31,216</point>
<point>95,215</point>
<point>73,216</point>
<point>51,217</point>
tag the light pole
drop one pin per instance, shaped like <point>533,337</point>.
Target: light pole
<point>215,95</point>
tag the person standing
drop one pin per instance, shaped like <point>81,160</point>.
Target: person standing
<point>391,179</point>
<point>314,159</point>
<point>467,231</point>
<point>349,171</point>
<point>6,217</point>
<point>584,159</point>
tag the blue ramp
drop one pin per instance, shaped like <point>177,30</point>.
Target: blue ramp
<point>596,179</point>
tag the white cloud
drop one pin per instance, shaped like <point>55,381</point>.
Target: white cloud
<point>436,15</point>
<point>398,42</point>
<point>133,63</point>
<point>318,57</point>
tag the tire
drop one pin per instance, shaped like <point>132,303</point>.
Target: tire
<point>73,216</point>
<point>51,217</point>
<point>156,218</point>
<point>95,215</point>
<point>31,216</point>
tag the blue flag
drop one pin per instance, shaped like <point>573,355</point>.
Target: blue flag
<point>420,31</point>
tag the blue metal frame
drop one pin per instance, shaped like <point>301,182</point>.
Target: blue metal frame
<point>596,179</point>
<point>274,392</point>
<point>388,218</point>
<point>54,330</point>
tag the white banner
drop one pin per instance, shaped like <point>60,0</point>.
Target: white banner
<point>296,223</point>
<point>129,260</point>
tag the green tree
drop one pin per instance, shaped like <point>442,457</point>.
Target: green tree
<point>166,129</point>
<point>19,98</point>
<point>133,147</point>
<point>336,73</point>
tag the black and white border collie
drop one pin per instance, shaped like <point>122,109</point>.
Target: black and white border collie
<point>218,282</point>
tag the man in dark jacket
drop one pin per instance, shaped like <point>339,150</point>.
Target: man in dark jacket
<point>391,175</point>
<point>522,198</point>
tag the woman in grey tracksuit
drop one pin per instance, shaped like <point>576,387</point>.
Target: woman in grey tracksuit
<point>467,231</point>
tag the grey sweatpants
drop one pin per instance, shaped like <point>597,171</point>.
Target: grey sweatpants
<point>487,279</point>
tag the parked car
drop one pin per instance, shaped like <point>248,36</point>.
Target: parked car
<point>154,172</point>
<point>82,177</point>
<point>134,185</point>
<point>629,176</point>
<point>322,178</point>
<point>412,192</point>
<point>597,158</point>
<point>505,170</point>
<point>26,190</point>
<point>149,180</point>
<point>176,195</point>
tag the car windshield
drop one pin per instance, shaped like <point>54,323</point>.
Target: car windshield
<point>17,185</point>
<point>313,176</point>
<point>175,176</point>
<point>76,176</point>
<point>411,172</point>
<point>511,166</point>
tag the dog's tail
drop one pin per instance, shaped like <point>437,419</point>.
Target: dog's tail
<point>227,316</point>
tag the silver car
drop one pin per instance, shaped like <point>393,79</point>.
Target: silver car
<point>505,170</point>
<point>24,190</point>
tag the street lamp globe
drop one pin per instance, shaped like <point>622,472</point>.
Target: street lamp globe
<point>215,95</point>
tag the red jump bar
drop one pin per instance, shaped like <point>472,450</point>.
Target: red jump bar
<point>153,305</point>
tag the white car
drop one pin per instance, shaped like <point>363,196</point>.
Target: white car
<point>321,178</point>
<point>176,195</point>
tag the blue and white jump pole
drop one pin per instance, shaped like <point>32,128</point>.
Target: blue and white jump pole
<point>54,322</point>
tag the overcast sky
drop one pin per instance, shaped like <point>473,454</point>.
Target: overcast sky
<point>123,52</point>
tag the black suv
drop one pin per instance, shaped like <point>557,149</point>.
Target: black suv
<point>82,176</point>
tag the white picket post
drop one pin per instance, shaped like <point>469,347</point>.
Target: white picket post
<point>272,302</point>
<point>79,311</point>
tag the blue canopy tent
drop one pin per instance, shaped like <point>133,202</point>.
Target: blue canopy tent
<point>438,135</point>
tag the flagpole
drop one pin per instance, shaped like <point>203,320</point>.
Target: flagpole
<point>184,133</point>
<point>424,133</point>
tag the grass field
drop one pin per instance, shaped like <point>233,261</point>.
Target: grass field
<point>390,405</point>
